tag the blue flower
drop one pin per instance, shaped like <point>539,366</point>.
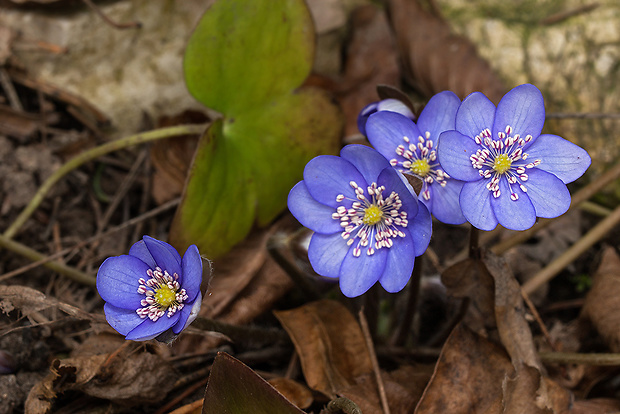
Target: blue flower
<point>513,173</point>
<point>368,225</point>
<point>151,291</point>
<point>390,105</point>
<point>411,149</point>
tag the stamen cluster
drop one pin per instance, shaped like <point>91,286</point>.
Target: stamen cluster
<point>503,156</point>
<point>421,161</point>
<point>371,218</point>
<point>163,294</point>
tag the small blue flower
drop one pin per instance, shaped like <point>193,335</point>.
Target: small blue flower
<point>513,173</point>
<point>367,222</point>
<point>411,149</point>
<point>389,105</point>
<point>151,291</point>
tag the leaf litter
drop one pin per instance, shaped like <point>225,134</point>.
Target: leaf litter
<point>490,362</point>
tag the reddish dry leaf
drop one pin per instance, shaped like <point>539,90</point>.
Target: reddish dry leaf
<point>596,406</point>
<point>330,345</point>
<point>371,59</point>
<point>234,388</point>
<point>603,297</point>
<point>436,59</point>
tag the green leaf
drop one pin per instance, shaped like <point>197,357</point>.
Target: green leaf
<point>246,52</point>
<point>247,59</point>
<point>234,388</point>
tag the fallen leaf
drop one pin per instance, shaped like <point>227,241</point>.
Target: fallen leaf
<point>603,297</point>
<point>294,391</point>
<point>435,59</point>
<point>234,388</point>
<point>330,345</point>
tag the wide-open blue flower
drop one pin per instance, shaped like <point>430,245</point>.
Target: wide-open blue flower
<point>411,149</point>
<point>368,225</point>
<point>151,291</point>
<point>514,174</point>
<point>389,105</point>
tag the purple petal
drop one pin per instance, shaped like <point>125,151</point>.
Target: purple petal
<point>310,213</point>
<point>367,161</point>
<point>386,131</point>
<point>446,207</point>
<point>547,193</point>
<point>559,157</point>
<point>166,256</point>
<point>149,329</point>
<point>327,176</point>
<point>326,253</point>
<point>420,228</point>
<point>395,181</point>
<point>475,114</point>
<point>140,251</point>
<point>362,118</point>
<point>523,108</point>
<point>387,105</point>
<point>192,272</point>
<point>399,264</point>
<point>475,202</point>
<point>117,281</point>
<point>188,314</point>
<point>513,214</point>
<point>358,274</point>
<point>122,320</point>
<point>439,114</point>
<point>453,152</point>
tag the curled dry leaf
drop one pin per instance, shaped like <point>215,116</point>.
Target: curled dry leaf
<point>603,297</point>
<point>124,377</point>
<point>330,345</point>
<point>435,59</point>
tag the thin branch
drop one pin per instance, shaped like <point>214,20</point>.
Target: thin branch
<point>130,25</point>
<point>92,154</point>
<point>373,360</point>
<point>601,360</point>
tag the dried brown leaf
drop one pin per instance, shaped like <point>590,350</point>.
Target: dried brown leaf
<point>371,59</point>
<point>127,378</point>
<point>330,345</point>
<point>436,59</point>
<point>294,391</point>
<point>529,392</point>
<point>468,376</point>
<point>603,297</point>
<point>596,406</point>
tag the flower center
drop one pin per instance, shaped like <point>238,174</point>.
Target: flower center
<point>372,220</point>
<point>421,161</point>
<point>372,215</point>
<point>503,157</point>
<point>163,295</point>
<point>502,163</point>
<point>420,167</point>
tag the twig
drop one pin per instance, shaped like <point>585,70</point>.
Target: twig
<point>9,89</point>
<point>591,237</point>
<point>565,15</point>
<point>539,321</point>
<point>601,360</point>
<point>130,25</point>
<point>92,154</point>
<point>33,255</point>
<point>243,335</point>
<point>46,259</point>
<point>373,360</point>
<point>577,198</point>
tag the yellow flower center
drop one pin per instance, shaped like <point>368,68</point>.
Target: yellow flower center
<point>164,296</point>
<point>502,163</point>
<point>372,215</point>
<point>420,167</point>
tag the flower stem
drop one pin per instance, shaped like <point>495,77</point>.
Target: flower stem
<point>474,242</point>
<point>90,155</point>
<point>404,328</point>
